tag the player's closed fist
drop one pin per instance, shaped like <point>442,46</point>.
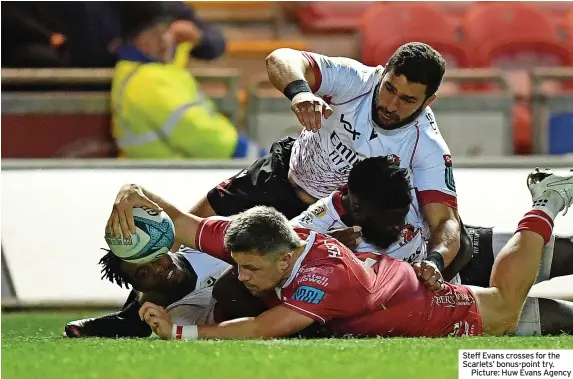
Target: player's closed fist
<point>309,109</point>
<point>157,318</point>
<point>428,273</point>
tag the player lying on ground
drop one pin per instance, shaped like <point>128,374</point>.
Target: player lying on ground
<point>182,282</point>
<point>317,279</point>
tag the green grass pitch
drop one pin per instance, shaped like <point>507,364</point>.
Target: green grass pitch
<point>33,348</point>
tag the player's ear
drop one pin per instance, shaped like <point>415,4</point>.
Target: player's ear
<point>429,100</point>
<point>285,260</point>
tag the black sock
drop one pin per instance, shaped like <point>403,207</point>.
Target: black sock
<point>132,296</point>
<point>125,323</point>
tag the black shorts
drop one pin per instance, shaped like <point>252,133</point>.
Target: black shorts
<point>265,182</point>
<point>478,271</point>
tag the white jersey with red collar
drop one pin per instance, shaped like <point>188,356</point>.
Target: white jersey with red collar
<point>326,214</point>
<point>320,162</point>
<point>207,268</point>
<point>198,307</point>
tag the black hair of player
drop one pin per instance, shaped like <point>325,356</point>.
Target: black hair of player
<point>419,63</point>
<point>381,183</point>
<point>111,269</point>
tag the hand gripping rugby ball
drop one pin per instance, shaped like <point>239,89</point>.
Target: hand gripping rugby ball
<point>154,237</point>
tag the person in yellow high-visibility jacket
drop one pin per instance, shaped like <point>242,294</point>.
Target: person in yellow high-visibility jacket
<point>158,108</point>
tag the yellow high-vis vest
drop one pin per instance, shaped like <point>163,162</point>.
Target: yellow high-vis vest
<point>159,112</point>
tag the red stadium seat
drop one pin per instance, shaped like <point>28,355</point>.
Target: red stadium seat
<point>513,35</point>
<point>328,16</point>
<point>387,26</point>
<point>568,28</point>
<point>522,128</point>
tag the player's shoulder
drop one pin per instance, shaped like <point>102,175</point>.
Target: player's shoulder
<point>429,137</point>
<point>330,206</point>
<point>198,298</point>
<point>323,265</point>
<point>331,62</point>
<point>343,72</point>
<point>325,250</point>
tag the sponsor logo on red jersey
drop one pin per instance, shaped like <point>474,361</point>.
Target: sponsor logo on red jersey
<point>307,294</point>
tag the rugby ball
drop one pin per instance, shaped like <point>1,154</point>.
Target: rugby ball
<point>154,237</point>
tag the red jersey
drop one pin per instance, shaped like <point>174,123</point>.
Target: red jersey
<point>332,286</point>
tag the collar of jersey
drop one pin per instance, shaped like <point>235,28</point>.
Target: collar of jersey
<point>392,132</point>
<point>309,242</point>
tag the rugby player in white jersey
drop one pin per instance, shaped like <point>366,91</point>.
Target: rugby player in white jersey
<point>181,281</point>
<point>350,112</point>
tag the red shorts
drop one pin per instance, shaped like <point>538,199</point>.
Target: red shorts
<point>452,311</point>
<point>417,313</point>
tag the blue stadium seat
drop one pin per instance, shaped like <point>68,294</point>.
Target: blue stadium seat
<point>561,133</point>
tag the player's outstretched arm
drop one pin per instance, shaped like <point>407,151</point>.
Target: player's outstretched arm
<point>131,196</point>
<point>277,322</point>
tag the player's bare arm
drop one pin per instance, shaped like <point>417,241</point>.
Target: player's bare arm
<point>132,195</point>
<point>444,224</point>
<point>291,73</point>
<point>277,322</point>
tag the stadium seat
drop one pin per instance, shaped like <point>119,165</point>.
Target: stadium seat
<point>234,11</point>
<point>522,132</point>
<point>328,16</point>
<point>387,26</point>
<point>518,38</point>
<point>560,133</point>
<point>513,35</point>
<point>568,27</point>
<point>261,48</point>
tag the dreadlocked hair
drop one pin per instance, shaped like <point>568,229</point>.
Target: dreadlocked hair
<point>111,269</point>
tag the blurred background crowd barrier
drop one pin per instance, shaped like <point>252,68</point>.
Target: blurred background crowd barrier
<point>508,88</point>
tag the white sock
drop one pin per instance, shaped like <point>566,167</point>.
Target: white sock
<point>549,202</point>
<point>530,321</point>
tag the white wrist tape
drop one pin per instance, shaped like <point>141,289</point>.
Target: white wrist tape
<point>189,332</point>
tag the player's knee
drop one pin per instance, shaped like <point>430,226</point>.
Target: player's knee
<point>511,321</point>
<point>506,323</point>
<point>511,313</point>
